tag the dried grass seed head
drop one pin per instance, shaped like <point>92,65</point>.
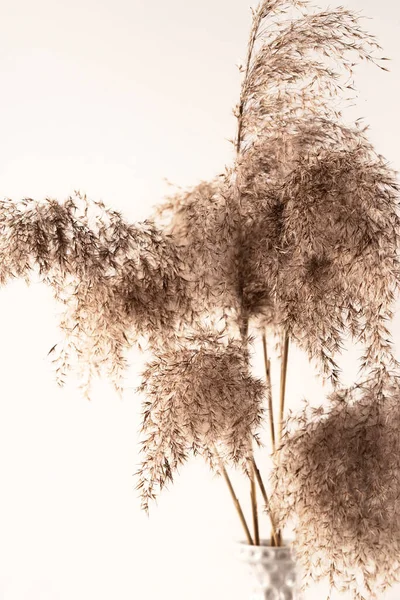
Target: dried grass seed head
<point>117,281</point>
<point>200,397</point>
<point>337,474</point>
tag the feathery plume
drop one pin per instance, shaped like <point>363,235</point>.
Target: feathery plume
<point>337,475</point>
<point>117,281</point>
<point>200,396</point>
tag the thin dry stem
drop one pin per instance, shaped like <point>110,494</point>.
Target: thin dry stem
<point>235,500</point>
<point>267,364</point>
<point>253,496</point>
<point>257,18</point>
<point>266,500</point>
<point>244,327</point>
<point>284,363</point>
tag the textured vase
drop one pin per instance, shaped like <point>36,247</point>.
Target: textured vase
<point>273,570</point>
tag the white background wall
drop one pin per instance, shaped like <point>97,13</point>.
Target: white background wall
<point>110,97</point>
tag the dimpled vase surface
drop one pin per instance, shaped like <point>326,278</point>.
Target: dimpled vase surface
<point>273,570</point>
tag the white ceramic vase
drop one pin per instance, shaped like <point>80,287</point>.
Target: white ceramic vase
<point>273,570</point>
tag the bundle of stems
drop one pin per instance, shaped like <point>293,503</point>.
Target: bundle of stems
<point>276,538</point>
<point>254,472</point>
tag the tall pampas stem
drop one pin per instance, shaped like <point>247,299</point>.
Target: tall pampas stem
<point>253,496</point>
<point>235,499</point>
<point>244,326</point>
<point>267,364</point>
<point>257,17</point>
<point>267,503</point>
<point>284,362</point>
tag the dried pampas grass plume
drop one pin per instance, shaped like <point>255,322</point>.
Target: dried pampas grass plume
<point>200,398</point>
<point>319,207</point>
<point>302,232</point>
<point>337,475</point>
<point>117,281</point>
<point>340,243</point>
<point>204,224</point>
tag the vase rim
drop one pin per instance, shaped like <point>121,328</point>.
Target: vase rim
<point>266,543</point>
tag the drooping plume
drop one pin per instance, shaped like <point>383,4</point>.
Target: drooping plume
<point>318,206</point>
<point>337,478</point>
<point>117,281</point>
<point>302,232</point>
<point>200,398</point>
<point>202,221</point>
